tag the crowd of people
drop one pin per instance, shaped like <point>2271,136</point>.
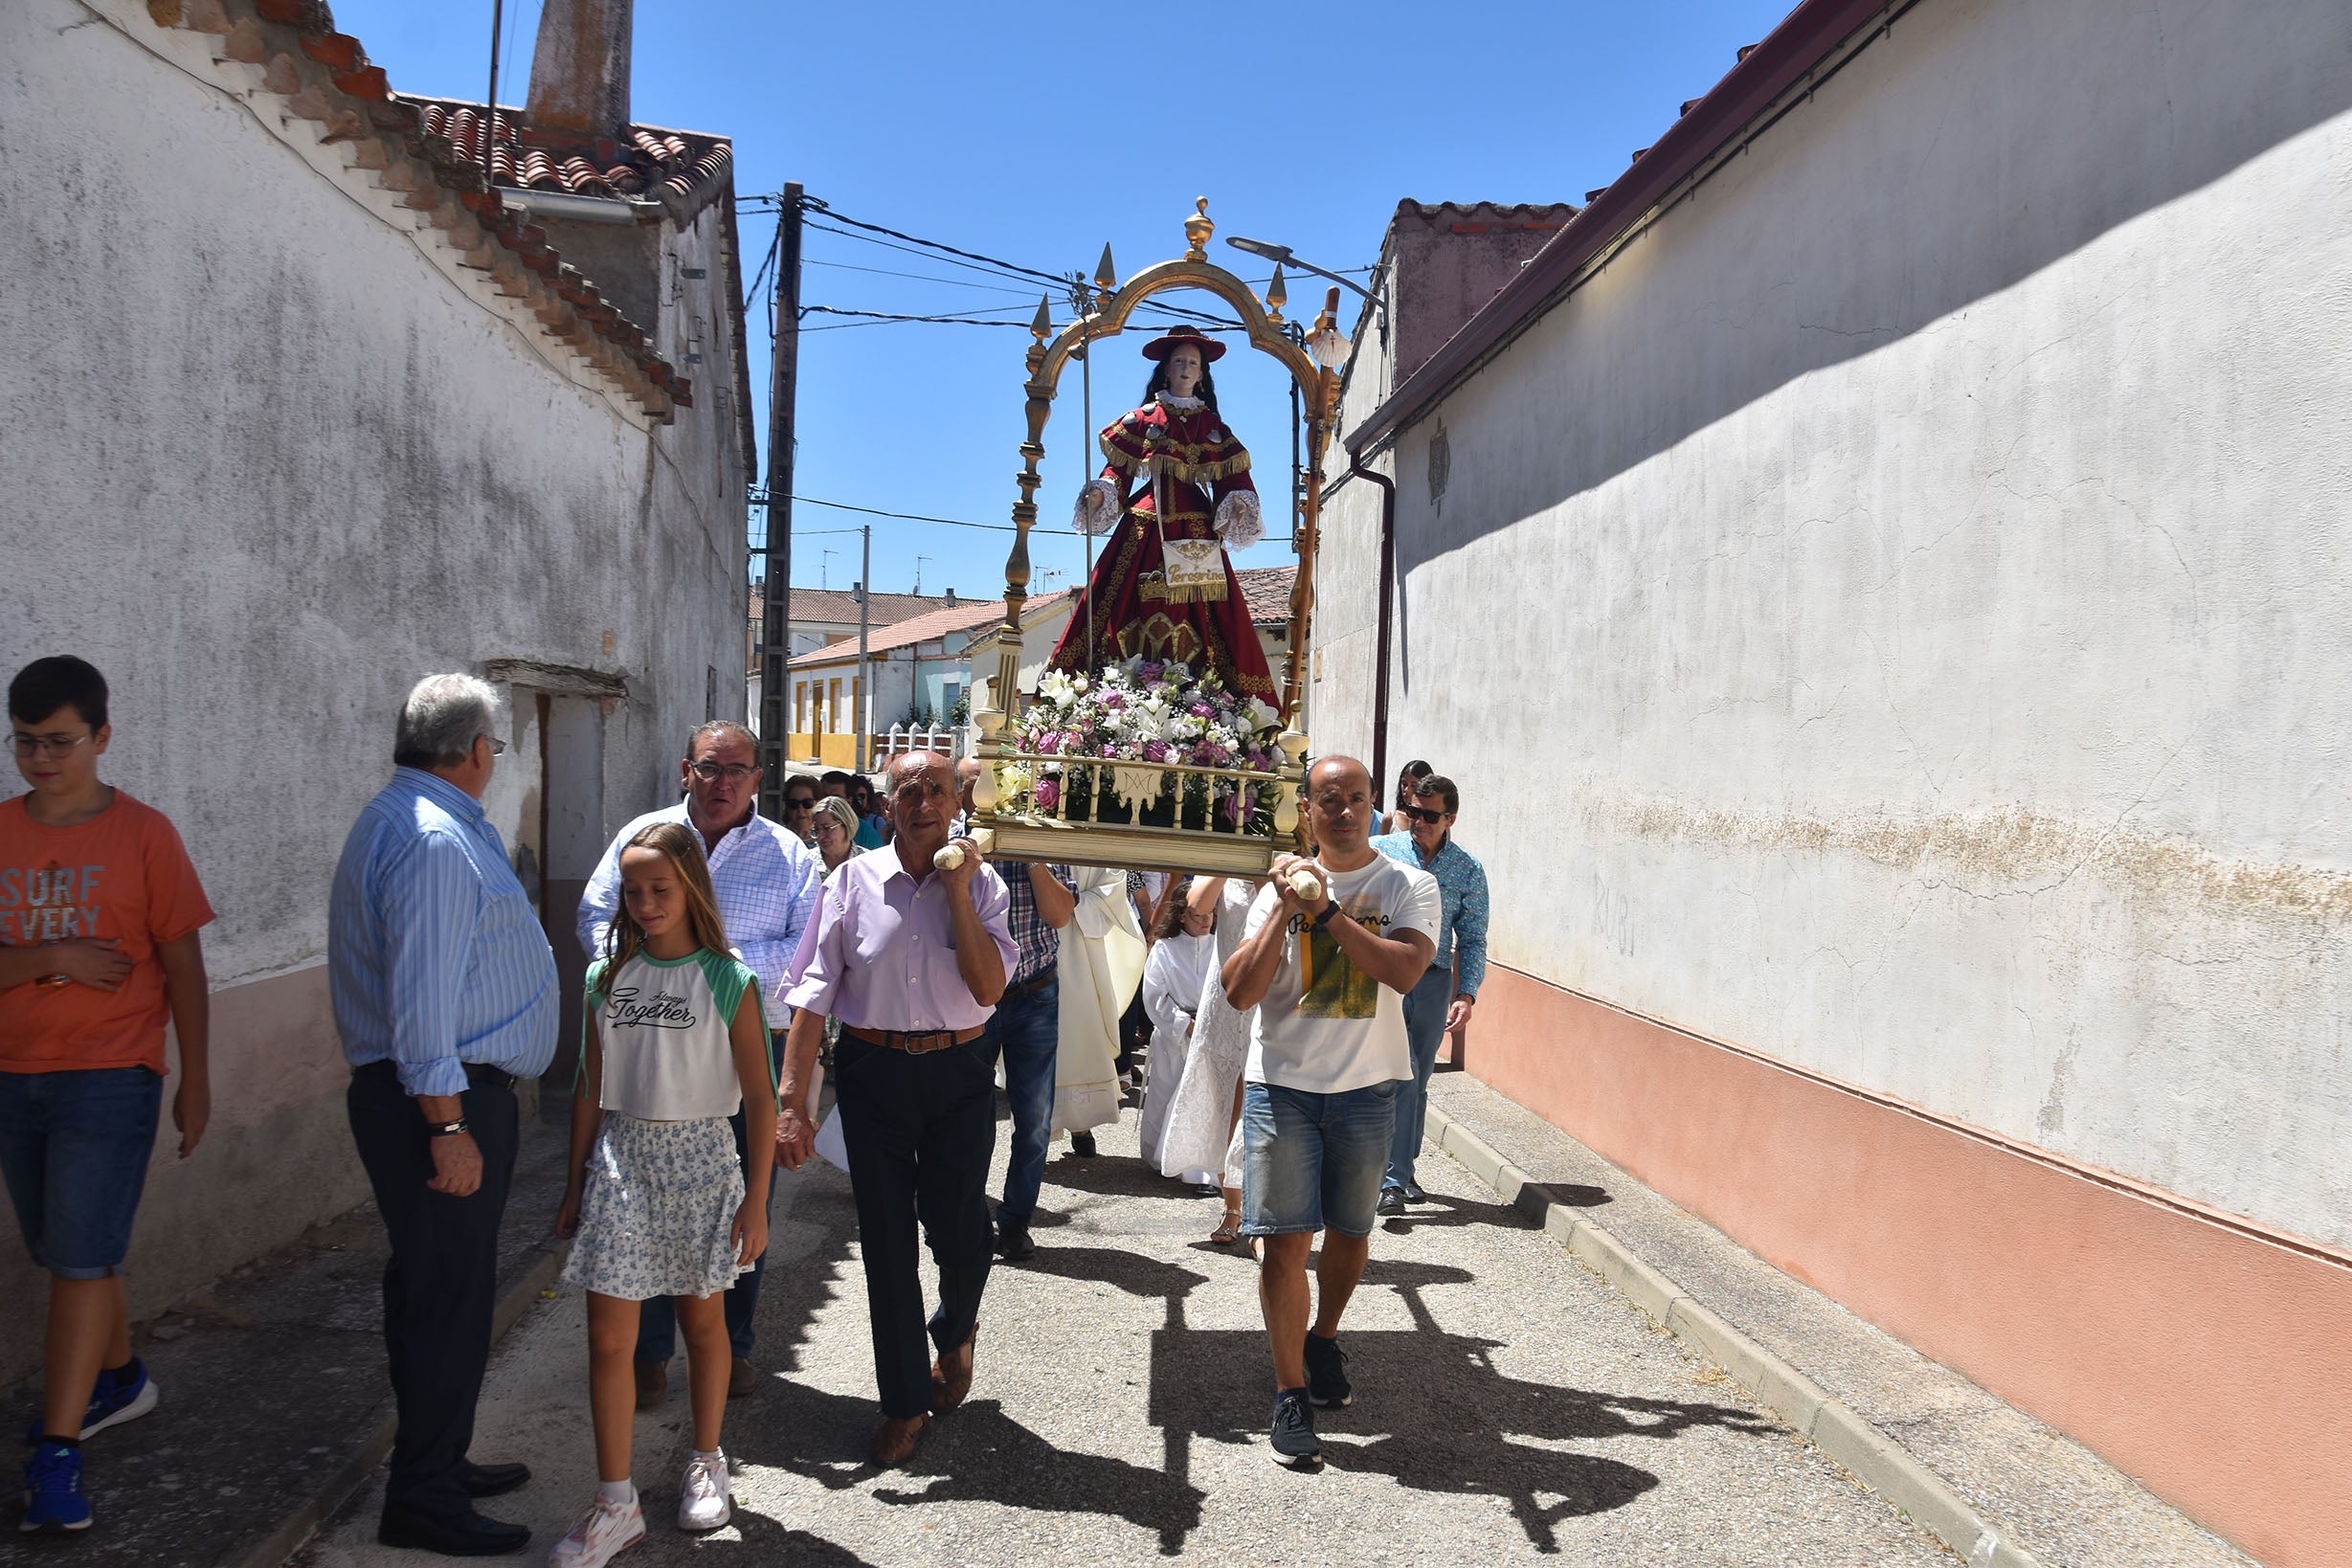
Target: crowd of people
<point>1277,1036</point>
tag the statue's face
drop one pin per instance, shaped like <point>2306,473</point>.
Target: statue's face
<point>1184,370</point>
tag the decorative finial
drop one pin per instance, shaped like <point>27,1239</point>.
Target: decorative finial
<point>1042,326</point>
<point>1105,276</point>
<point>1196,231</point>
<point>1277,295</point>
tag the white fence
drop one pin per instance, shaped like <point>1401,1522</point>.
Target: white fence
<point>951,741</point>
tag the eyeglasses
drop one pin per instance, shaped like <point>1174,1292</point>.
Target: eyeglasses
<point>735,773</point>
<point>498,747</point>
<point>800,802</point>
<point>1432,817</point>
<point>48,746</point>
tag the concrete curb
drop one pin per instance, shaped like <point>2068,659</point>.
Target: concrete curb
<point>1875,1459</point>
<point>335,1489</point>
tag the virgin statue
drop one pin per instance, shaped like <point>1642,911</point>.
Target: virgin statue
<point>1175,493</point>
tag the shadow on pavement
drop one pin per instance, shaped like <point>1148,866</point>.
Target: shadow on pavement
<point>1474,1430</point>
<point>1434,1412</point>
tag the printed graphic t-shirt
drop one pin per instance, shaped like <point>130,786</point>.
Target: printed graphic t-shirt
<point>1325,1026</point>
<point>664,1025</point>
<point>123,875</point>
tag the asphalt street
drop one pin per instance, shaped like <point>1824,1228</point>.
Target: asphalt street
<point>1509,1405</point>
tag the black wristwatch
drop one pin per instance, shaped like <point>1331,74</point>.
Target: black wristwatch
<point>447,1130</point>
<point>1330,909</point>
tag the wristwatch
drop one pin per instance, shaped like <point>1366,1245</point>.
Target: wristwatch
<point>1330,909</point>
<point>445,1129</point>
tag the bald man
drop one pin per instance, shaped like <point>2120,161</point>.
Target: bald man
<point>1328,1052</point>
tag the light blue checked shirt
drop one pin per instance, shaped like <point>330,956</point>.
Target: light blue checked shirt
<point>435,957</point>
<point>1462,883</point>
<point>768,884</point>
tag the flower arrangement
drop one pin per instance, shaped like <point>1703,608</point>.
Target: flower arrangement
<point>1151,711</point>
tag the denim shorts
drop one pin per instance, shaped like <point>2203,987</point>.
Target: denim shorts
<point>74,1147</point>
<point>1313,1162</point>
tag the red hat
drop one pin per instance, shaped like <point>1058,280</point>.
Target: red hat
<point>1211,350</point>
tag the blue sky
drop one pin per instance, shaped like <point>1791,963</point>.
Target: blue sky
<point>1038,133</point>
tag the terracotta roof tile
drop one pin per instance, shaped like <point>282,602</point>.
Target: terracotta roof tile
<point>1267,591</point>
<point>966,615</point>
<point>431,152</point>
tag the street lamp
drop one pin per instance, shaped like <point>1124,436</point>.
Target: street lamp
<point>1280,255</point>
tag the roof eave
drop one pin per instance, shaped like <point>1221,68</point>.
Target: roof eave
<point>1806,38</point>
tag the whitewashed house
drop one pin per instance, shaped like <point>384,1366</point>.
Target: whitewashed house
<point>300,411</point>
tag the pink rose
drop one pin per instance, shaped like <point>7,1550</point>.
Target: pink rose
<point>1048,794</point>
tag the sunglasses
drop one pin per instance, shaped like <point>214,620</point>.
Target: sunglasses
<point>1417,814</point>
<point>800,802</point>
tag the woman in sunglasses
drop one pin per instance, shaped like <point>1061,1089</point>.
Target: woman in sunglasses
<point>800,809</point>
<point>1409,779</point>
<point>1434,1007</point>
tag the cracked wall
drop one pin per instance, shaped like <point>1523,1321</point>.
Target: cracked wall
<point>1889,617</point>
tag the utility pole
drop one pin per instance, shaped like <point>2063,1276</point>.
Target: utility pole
<point>783,386</point>
<point>919,560</point>
<point>863,720</point>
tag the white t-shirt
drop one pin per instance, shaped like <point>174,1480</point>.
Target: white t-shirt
<point>665,1030</point>
<point>1325,1026</point>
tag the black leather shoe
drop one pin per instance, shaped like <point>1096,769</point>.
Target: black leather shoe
<point>494,1480</point>
<point>1082,1144</point>
<point>1013,1243</point>
<point>460,1536</point>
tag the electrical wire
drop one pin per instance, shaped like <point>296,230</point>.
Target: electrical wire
<point>918,276</point>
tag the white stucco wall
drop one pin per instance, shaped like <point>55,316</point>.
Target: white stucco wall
<point>1891,617</point>
<point>269,456</point>
<point>267,464</point>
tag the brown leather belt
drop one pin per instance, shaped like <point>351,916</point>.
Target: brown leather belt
<point>915,1044</point>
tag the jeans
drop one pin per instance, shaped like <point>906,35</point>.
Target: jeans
<point>1026,1034</point>
<point>1313,1161</point>
<point>1424,1031</point>
<point>657,1319</point>
<point>74,1147</point>
<point>442,1282</point>
<point>920,1130</point>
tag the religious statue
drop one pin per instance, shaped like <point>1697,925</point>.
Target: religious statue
<point>1174,495</point>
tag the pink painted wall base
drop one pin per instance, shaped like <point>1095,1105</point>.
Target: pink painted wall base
<point>2200,1354</point>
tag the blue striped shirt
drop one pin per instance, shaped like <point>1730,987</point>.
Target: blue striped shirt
<point>766,882</point>
<point>1462,883</point>
<point>435,956</point>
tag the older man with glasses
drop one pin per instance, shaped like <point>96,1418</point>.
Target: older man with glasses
<point>444,995</point>
<point>1442,999</point>
<point>768,881</point>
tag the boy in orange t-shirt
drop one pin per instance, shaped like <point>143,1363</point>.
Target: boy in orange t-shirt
<point>99,911</point>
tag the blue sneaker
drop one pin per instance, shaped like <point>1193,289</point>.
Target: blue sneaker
<point>112,1403</point>
<point>53,1498</point>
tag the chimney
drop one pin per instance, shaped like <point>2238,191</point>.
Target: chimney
<point>580,67</point>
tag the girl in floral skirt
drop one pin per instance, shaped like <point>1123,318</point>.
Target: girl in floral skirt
<point>657,1204</point>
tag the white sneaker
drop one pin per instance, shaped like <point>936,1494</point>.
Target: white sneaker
<point>604,1533</point>
<point>703,1502</point>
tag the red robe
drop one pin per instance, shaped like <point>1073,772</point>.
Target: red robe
<point>1190,458</point>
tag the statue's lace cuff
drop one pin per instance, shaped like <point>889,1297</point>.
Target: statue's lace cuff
<point>1238,522</point>
<point>1097,508</point>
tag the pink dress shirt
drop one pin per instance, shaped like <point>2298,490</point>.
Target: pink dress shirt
<point>882,952</point>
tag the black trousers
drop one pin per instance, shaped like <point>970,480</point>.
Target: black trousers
<point>441,1283</point>
<point>920,1130</point>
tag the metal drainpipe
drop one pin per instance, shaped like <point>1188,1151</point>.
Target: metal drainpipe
<point>1388,574</point>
